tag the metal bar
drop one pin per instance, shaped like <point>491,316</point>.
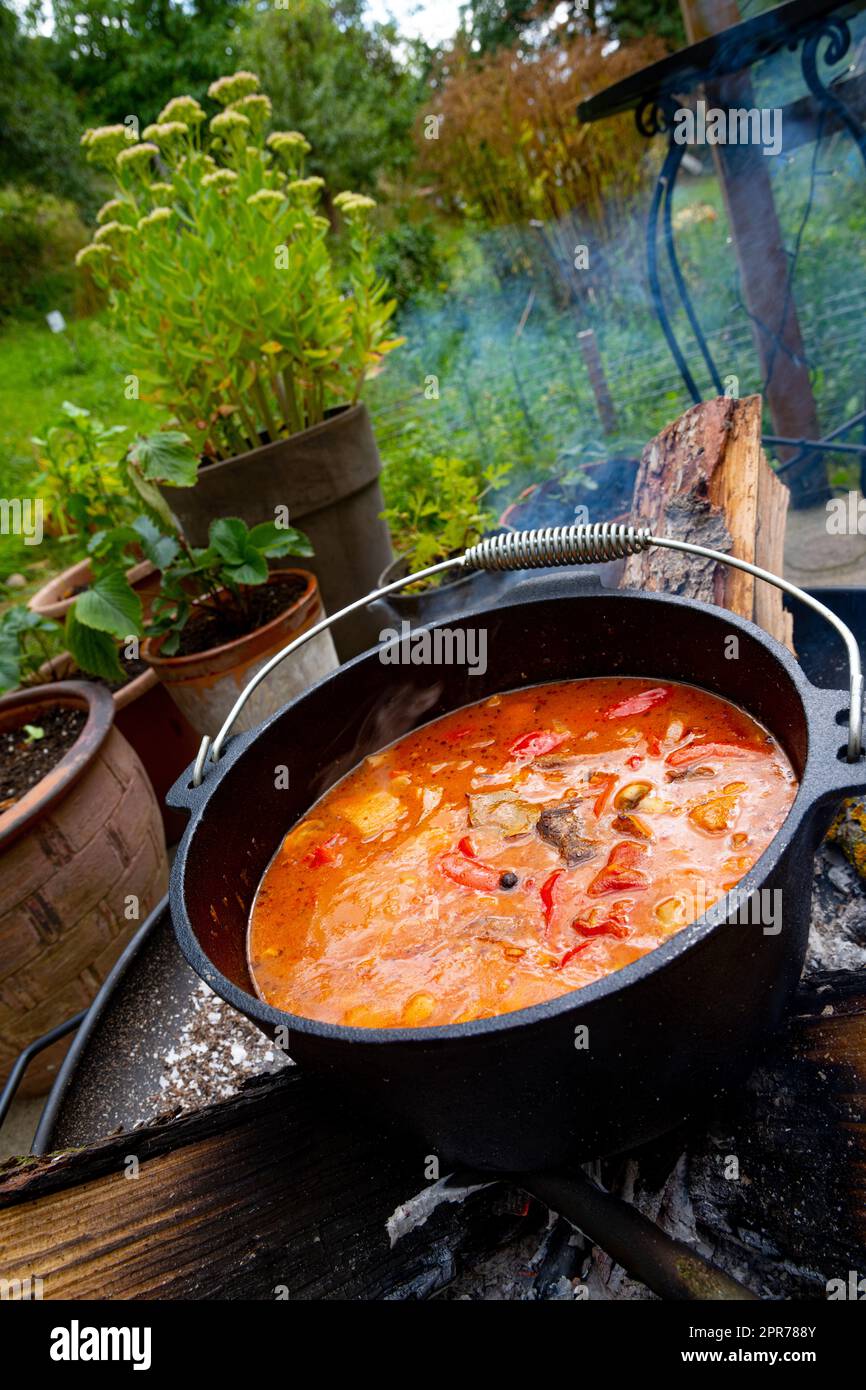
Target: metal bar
<point>26,1056</point>
<point>682,290</point>
<point>810,446</point>
<point>855,713</point>
<point>666,1265</point>
<point>264,671</point>
<point>665,178</point>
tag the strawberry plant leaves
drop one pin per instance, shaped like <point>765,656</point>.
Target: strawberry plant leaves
<point>109,605</point>
<point>166,456</point>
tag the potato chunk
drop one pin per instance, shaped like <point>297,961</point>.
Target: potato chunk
<point>719,813</point>
<point>373,813</point>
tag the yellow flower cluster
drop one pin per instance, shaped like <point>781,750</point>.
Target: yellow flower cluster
<point>165,132</point>
<point>159,214</point>
<point>184,109</point>
<point>103,143</point>
<point>137,157</point>
<point>219,178</point>
<point>228,89</point>
<point>352,203</point>
<point>288,142</point>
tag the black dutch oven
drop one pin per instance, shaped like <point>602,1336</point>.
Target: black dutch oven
<point>531,1089</point>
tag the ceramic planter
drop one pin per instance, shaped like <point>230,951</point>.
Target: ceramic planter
<point>206,684</point>
<point>151,722</point>
<point>73,851</point>
<point>56,597</point>
<point>328,478</point>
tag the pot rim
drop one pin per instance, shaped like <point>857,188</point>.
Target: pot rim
<point>55,607</point>
<point>150,647</point>
<point>124,694</point>
<point>41,799</point>
<point>627,977</point>
<point>338,414</point>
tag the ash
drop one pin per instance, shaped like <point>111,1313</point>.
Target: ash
<point>213,1053</point>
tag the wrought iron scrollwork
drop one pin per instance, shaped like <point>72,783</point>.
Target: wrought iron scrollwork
<point>837,34</point>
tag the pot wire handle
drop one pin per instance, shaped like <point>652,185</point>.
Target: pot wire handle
<point>542,549</point>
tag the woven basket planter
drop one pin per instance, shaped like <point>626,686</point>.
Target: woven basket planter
<point>74,852</point>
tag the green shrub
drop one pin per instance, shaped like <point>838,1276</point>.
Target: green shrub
<point>39,236</point>
<point>222,274</point>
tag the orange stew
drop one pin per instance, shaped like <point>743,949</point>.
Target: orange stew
<point>515,850</point>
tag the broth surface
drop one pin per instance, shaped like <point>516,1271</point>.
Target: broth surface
<point>515,850</point>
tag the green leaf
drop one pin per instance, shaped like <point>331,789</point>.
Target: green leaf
<point>275,540</point>
<point>253,569</point>
<point>166,456</point>
<point>230,538</point>
<point>10,664</point>
<point>109,605</point>
<point>150,496</point>
<point>93,652</point>
<point>156,547</point>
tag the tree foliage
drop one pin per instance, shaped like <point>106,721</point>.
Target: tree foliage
<point>127,57</point>
<point>38,120</point>
<point>343,83</point>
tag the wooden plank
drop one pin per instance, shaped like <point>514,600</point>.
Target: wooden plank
<point>269,1191</point>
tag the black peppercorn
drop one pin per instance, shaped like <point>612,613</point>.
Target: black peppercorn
<point>508,880</point>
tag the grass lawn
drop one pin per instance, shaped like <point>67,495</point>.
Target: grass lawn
<point>39,370</point>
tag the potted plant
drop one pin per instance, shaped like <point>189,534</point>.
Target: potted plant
<point>221,612</point>
<point>253,324</point>
<point>445,509</point>
<point>82,482</point>
<point>31,654</point>
<point>82,859</point>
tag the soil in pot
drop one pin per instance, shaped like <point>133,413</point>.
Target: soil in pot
<point>25,760</point>
<point>214,627</point>
<point>151,722</point>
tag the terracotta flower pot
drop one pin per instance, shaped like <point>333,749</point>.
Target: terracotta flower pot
<point>73,851</point>
<point>206,684</point>
<point>151,722</point>
<point>55,598</point>
<point>328,478</point>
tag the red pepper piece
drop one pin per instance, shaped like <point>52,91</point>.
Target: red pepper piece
<point>626,855</point>
<point>465,847</point>
<point>638,704</point>
<point>615,880</point>
<point>325,853</point>
<point>620,874</point>
<point>700,752</point>
<point>469,873</point>
<point>546,891</point>
<point>538,742</point>
<point>612,924</point>
<point>570,955</point>
<point>607,782</point>
<point>634,762</point>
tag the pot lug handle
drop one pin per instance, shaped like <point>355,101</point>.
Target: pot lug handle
<point>544,549</point>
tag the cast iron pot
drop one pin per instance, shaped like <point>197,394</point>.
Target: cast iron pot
<point>665,1033</point>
